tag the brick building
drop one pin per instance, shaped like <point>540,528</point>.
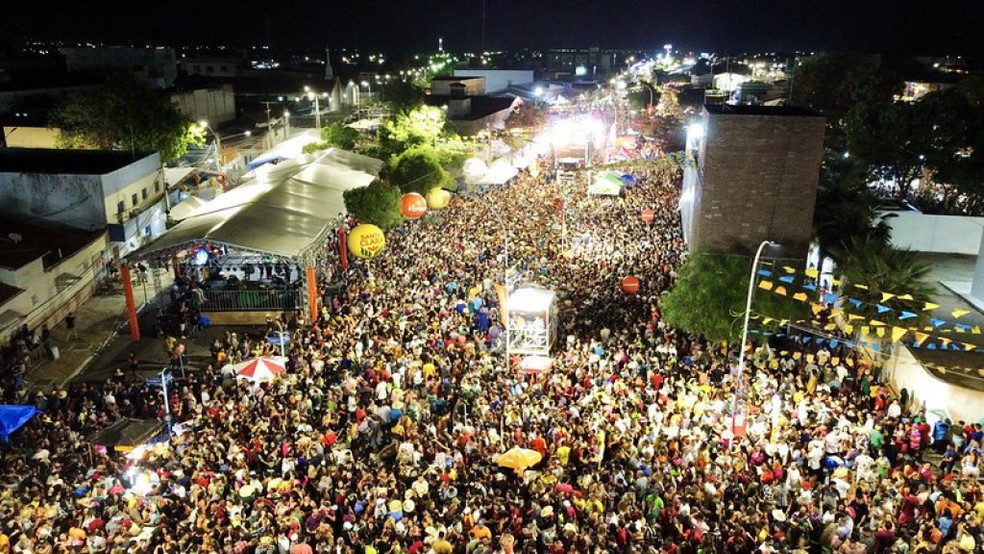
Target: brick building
<point>754,178</point>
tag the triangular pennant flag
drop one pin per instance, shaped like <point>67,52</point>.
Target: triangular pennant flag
<point>810,288</point>
<point>904,297</point>
<point>765,273</point>
<point>812,273</point>
<point>946,330</point>
<point>849,362</point>
<point>882,309</point>
<point>930,306</point>
<point>849,329</point>
<point>789,269</point>
<point>959,329</point>
<point>852,317</point>
<point>817,308</point>
<point>766,321</point>
<point>783,322</point>
<point>936,322</point>
<point>767,285</point>
<point>906,315</point>
<point>801,296</point>
<point>835,361</point>
<point>886,296</point>
<point>898,333</point>
<point>780,290</point>
<point>959,312</point>
<point>797,355</point>
<point>875,346</point>
<point>786,278</point>
<point>865,330</point>
<point>931,346</point>
<point>836,282</point>
<point>921,337</point>
<point>880,331</point>
<point>830,327</point>
<point>830,298</point>
<point>833,343</point>
<point>849,344</point>
<point>857,303</point>
<point>968,346</point>
<point>876,323</point>
<point>976,330</point>
<point>946,341</point>
<point>810,358</point>
<point>862,287</point>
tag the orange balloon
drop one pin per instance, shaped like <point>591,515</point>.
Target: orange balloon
<point>630,284</point>
<point>648,216</point>
<point>413,205</point>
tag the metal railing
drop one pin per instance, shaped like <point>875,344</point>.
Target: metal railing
<point>252,300</point>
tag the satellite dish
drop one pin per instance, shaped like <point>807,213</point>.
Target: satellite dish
<point>15,238</point>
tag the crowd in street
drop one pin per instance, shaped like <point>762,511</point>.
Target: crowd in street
<point>383,434</point>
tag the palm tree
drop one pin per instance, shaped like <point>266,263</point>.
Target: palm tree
<point>845,208</point>
<point>870,262</point>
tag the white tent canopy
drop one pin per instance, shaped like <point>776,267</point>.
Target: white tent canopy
<point>498,174</point>
<point>187,208</point>
<point>284,217</point>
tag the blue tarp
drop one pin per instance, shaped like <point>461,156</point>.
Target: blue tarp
<point>13,417</point>
<point>262,161</point>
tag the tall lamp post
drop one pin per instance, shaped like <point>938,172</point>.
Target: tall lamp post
<point>368,86</point>
<point>218,142</point>
<point>740,389</point>
<point>315,97</point>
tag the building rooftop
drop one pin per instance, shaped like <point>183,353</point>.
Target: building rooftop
<point>7,292</point>
<point>481,106</point>
<point>23,242</point>
<point>746,109</point>
<point>66,162</point>
<point>453,79</point>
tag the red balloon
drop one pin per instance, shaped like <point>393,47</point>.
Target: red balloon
<point>630,284</point>
<point>648,216</point>
<point>413,205</point>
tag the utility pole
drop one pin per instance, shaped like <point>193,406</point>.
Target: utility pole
<point>269,133</point>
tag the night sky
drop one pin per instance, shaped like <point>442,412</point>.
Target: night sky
<point>905,26</point>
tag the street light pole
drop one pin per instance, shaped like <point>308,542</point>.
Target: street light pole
<point>218,143</point>
<point>740,389</point>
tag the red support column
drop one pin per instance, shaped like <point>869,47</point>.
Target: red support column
<point>131,306</point>
<point>312,284</point>
<point>343,247</point>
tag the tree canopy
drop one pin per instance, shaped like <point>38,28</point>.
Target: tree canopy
<point>125,114</point>
<point>423,125</point>
<point>378,204</point>
<point>708,298</point>
<point>335,135</point>
<point>419,169</point>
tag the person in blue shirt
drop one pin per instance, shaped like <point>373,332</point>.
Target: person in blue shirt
<point>940,432</point>
<point>945,524</point>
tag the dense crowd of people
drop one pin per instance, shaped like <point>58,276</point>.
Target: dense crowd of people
<point>384,432</point>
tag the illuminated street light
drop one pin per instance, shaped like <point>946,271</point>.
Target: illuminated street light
<point>218,141</point>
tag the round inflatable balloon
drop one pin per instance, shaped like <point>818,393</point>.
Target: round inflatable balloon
<point>366,241</point>
<point>630,284</point>
<point>473,170</point>
<point>438,198</point>
<point>413,205</point>
<point>648,216</point>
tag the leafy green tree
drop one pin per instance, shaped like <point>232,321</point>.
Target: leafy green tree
<point>335,135</point>
<point>403,96</point>
<point>879,267</point>
<point>419,169</point>
<point>125,114</point>
<point>421,126</point>
<point>378,204</point>
<point>708,298</point>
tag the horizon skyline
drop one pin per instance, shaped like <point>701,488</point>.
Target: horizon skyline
<point>950,28</point>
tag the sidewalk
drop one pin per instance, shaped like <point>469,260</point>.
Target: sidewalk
<point>100,323</point>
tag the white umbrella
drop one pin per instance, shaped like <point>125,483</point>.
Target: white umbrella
<point>260,369</point>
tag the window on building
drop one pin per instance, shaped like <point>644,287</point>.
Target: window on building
<point>210,68</point>
<point>136,202</point>
<point>120,207</point>
<point>143,193</point>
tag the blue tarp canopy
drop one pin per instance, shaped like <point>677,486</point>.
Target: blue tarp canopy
<point>262,161</point>
<point>13,417</point>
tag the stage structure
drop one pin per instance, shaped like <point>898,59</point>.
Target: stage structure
<point>532,322</point>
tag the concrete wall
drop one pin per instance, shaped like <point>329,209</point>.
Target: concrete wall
<point>45,296</point>
<point>944,234</point>
<point>757,177</point>
<point>73,200</point>
<point>962,403</point>
<point>30,137</point>
<point>473,86</point>
<point>215,105</point>
<point>498,80</point>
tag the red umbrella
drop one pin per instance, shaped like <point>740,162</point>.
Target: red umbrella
<point>260,369</point>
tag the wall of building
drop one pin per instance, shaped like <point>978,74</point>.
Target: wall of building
<point>757,177</point>
<point>143,179</point>
<point>474,86</point>
<point>30,137</point>
<point>48,295</point>
<point>944,234</point>
<point>904,371</point>
<point>215,105</point>
<point>498,80</point>
<point>73,200</point>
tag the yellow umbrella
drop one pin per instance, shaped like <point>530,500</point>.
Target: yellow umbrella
<point>519,458</point>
